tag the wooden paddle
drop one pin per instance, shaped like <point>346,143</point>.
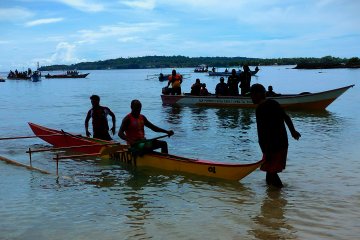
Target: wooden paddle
<point>152,139</point>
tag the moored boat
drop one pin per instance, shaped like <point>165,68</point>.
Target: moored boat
<point>302,101</point>
<point>157,160</point>
<point>69,74</point>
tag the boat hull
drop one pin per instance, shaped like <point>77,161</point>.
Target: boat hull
<point>306,101</point>
<point>67,76</point>
<point>63,139</point>
<point>157,160</point>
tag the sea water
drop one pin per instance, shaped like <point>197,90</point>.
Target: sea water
<point>92,200</point>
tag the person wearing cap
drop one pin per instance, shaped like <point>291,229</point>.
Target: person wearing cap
<point>99,120</point>
<point>272,135</point>
<point>221,88</point>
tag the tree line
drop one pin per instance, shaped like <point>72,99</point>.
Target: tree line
<point>185,62</point>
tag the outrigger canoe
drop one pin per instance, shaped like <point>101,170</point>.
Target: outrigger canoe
<point>302,101</point>
<point>122,154</point>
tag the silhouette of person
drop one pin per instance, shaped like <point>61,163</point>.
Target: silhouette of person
<point>195,88</point>
<point>245,80</point>
<point>233,83</point>
<point>99,120</point>
<point>221,88</point>
<point>272,135</point>
<point>270,92</point>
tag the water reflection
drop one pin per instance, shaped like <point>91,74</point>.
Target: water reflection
<point>235,118</point>
<point>200,118</point>
<point>173,114</point>
<point>271,222</point>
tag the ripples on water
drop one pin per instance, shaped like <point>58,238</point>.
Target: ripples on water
<point>97,200</point>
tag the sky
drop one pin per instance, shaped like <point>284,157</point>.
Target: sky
<point>71,31</point>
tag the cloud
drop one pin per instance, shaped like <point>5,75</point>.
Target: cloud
<point>64,54</point>
<point>125,31</point>
<point>43,21</point>
<point>143,4</point>
<point>14,14</point>
<point>84,5</point>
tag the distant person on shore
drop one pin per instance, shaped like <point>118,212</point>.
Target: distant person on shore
<point>132,131</point>
<point>272,135</point>
<point>99,120</point>
<point>233,83</point>
<point>221,88</point>
<point>245,80</point>
<point>175,81</point>
<point>195,88</point>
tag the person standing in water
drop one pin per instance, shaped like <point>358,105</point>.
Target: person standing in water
<point>99,120</point>
<point>272,135</point>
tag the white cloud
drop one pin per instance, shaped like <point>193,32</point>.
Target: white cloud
<point>121,31</point>
<point>84,5</point>
<point>43,21</point>
<point>144,4</point>
<point>14,14</point>
<point>64,54</point>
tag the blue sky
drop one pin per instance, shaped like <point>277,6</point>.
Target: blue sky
<point>71,31</point>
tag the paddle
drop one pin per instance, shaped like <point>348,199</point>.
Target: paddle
<point>152,139</point>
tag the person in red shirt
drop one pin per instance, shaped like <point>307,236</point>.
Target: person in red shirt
<point>99,120</point>
<point>132,131</point>
<point>272,135</point>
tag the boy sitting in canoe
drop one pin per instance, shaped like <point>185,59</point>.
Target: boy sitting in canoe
<point>132,131</point>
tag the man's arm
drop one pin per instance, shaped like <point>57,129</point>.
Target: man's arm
<point>88,116</point>
<point>123,127</point>
<point>295,134</point>
<point>113,118</point>
<point>148,124</point>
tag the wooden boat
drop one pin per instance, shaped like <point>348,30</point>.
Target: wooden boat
<point>19,78</point>
<point>67,75</point>
<point>302,101</point>
<point>154,160</point>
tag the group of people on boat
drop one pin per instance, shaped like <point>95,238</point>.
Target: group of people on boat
<point>20,75</point>
<point>231,88</point>
<point>72,73</point>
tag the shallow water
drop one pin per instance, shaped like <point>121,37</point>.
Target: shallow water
<point>92,200</point>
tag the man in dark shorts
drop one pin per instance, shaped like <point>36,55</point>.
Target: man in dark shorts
<point>99,120</point>
<point>273,141</point>
<point>132,131</point>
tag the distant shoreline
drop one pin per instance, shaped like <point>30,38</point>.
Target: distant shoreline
<point>150,62</point>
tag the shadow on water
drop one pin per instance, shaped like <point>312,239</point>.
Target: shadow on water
<point>271,222</point>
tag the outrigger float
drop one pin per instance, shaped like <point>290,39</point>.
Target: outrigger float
<point>302,101</point>
<point>90,147</point>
